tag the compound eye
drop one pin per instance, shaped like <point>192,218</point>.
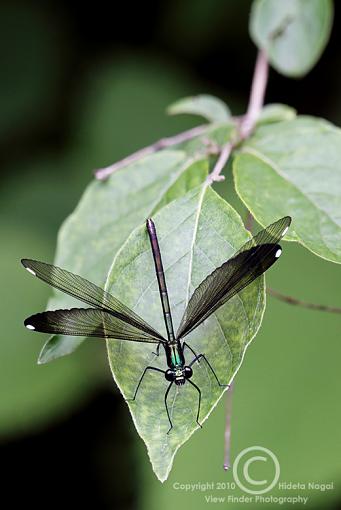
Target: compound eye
<point>188,372</point>
<point>169,375</point>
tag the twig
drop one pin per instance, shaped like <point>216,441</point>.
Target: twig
<point>293,301</point>
<point>246,126</point>
<point>248,121</point>
<point>227,435</point>
<point>221,162</point>
<point>103,173</point>
<point>257,95</point>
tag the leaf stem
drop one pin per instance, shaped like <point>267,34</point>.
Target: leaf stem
<point>294,301</point>
<point>225,153</point>
<point>227,435</point>
<point>103,173</point>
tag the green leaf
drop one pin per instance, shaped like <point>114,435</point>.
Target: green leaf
<point>293,168</point>
<point>204,105</point>
<point>197,233</point>
<point>276,112</point>
<point>106,215</point>
<point>294,33</point>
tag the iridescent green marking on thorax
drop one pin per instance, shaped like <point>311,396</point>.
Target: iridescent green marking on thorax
<point>175,358</point>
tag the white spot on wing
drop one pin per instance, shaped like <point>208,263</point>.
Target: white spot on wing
<point>31,271</point>
<point>29,326</point>
<point>278,253</point>
<point>285,231</point>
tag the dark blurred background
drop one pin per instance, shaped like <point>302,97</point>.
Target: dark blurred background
<point>82,86</point>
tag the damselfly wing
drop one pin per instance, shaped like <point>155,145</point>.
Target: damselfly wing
<point>108,317</point>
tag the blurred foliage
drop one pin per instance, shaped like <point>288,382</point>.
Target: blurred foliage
<point>32,58</point>
<point>121,106</point>
<point>209,107</point>
<point>195,26</point>
<point>31,395</point>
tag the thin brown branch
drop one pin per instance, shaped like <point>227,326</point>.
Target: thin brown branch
<point>257,95</point>
<point>103,173</point>
<point>247,122</point>
<point>221,162</point>
<point>227,435</point>
<point>298,302</point>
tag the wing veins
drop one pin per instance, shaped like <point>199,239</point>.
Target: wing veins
<point>249,262</point>
<point>88,292</point>
<point>90,322</point>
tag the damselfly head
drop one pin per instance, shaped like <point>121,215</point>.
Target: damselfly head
<point>179,375</point>
<point>177,378</point>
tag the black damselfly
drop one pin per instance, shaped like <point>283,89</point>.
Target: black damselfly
<point>109,318</point>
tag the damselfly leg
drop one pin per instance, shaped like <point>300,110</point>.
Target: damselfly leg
<point>169,418</point>
<point>202,356</point>
<point>199,391</point>
<point>141,378</point>
<point>157,349</point>
<point>199,403</point>
<point>166,394</point>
